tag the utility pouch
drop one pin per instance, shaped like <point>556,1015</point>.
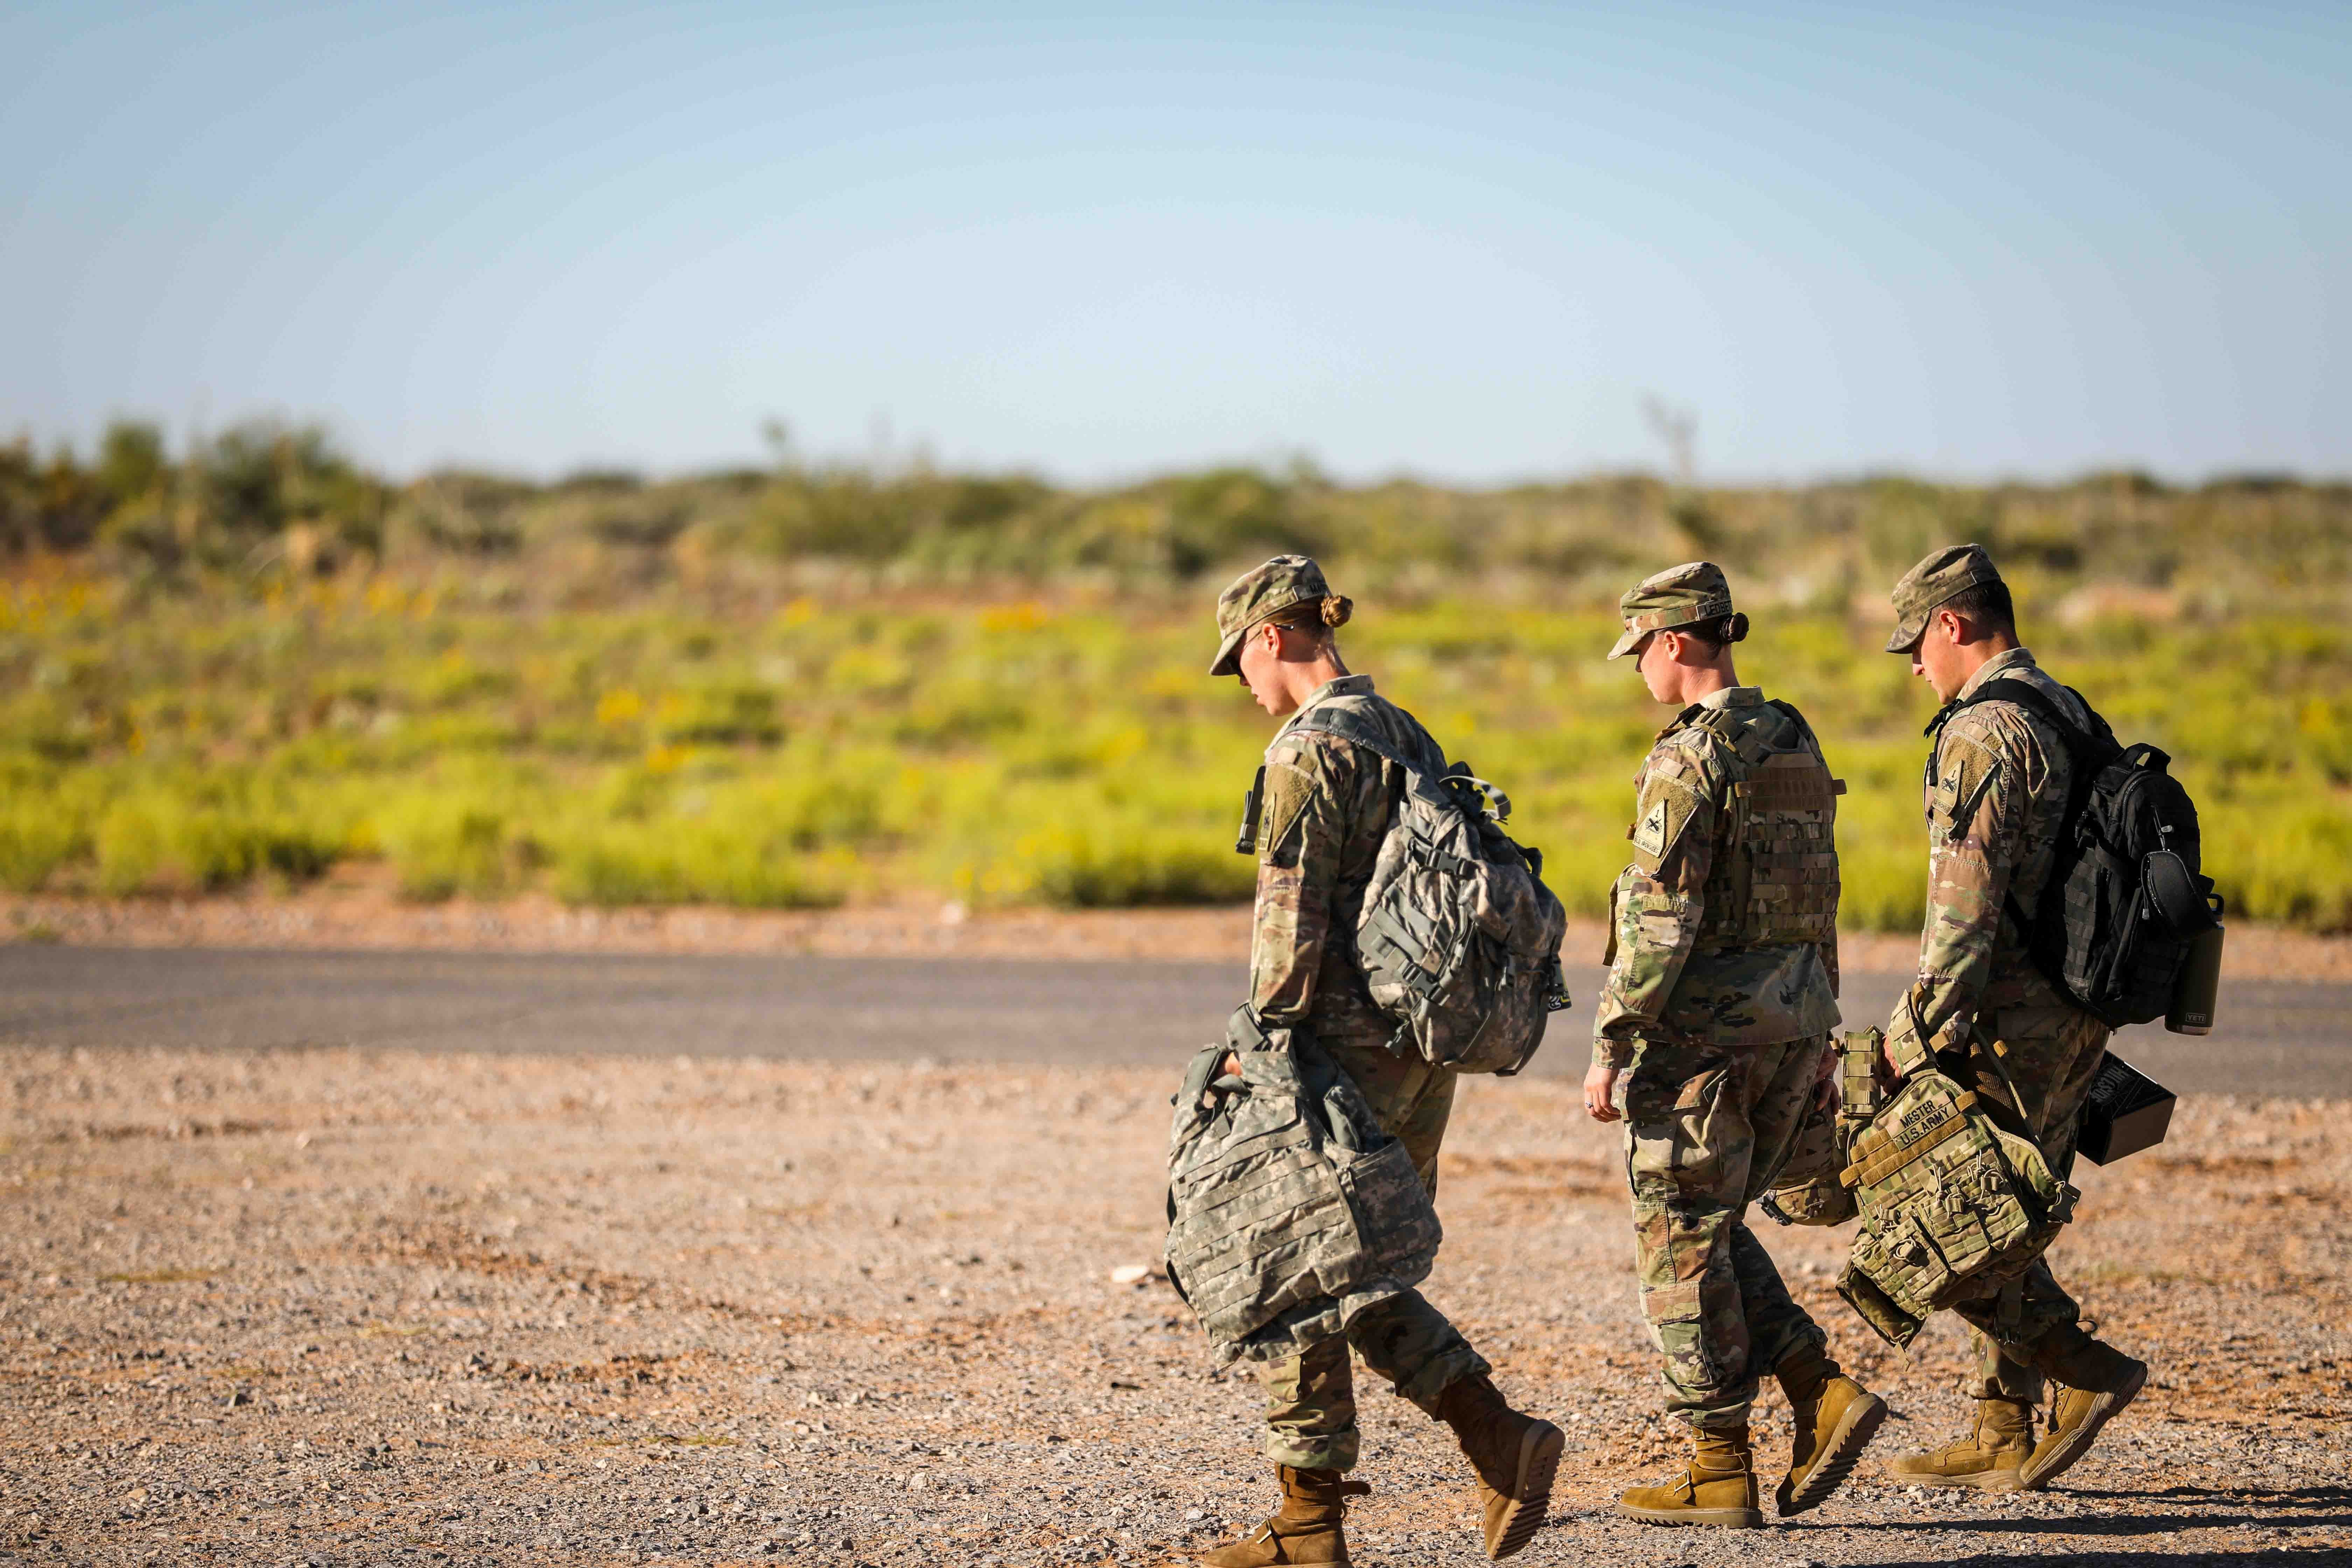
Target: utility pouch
<point>1874,1307</point>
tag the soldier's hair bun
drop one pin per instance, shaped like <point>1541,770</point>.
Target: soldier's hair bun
<point>1337,608</point>
<point>1732,628</point>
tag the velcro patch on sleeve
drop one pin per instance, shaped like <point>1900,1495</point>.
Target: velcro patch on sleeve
<point>1665,808</point>
<point>1287,790</point>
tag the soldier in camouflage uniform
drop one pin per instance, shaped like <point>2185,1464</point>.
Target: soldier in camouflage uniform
<point>1997,784</point>
<point>1325,809</point>
<point>1716,1018</point>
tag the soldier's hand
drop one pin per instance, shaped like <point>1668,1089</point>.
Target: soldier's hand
<point>1231,1066</point>
<point>1601,1094</point>
<point>1825,1079</point>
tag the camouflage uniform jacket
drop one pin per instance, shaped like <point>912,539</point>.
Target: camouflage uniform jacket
<point>1662,989</point>
<point>1327,807</point>
<point>1996,789</point>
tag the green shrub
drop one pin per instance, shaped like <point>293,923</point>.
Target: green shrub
<point>35,839</point>
<point>1033,748</point>
<point>157,843</point>
<point>444,845</point>
<point>670,864</point>
<point>1126,864</point>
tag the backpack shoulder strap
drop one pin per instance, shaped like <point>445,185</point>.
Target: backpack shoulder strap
<point>2089,750</point>
<point>1353,722</point>
<point>2081,745</point>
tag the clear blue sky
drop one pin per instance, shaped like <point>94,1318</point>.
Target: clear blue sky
<point>1461,241</point>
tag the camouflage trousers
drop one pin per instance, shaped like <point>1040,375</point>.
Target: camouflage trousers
<point>1707,1129</point>
<point>1311,1399</point>
<point>2033,1064</point>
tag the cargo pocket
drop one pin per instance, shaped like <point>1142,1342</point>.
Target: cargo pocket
<point>1675,1316</point>
<point>1678,1132</point>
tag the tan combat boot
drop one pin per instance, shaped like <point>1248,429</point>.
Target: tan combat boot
<point>1836,1418</point>
<point>1515,1457</point>
<point>1718,1489</point>
<point>1990,1458</point>
<point>2095,1381</point>
<point>1305,1529</point>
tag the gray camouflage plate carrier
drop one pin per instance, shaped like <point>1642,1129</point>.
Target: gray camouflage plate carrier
<point>1289,1209</point>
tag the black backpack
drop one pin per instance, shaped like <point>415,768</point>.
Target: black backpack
<point>2126,899</point>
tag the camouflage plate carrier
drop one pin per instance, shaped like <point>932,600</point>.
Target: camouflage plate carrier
<point>1289,1209</point>
<point>1459,939</point>
<point>1950,1202</point>
<point>1780,882</point>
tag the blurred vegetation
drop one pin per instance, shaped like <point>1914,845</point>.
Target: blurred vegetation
<point>250,661</point>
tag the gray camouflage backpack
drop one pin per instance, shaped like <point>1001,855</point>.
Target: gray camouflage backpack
<point>1289,1209</point>
<point>1459,939</point>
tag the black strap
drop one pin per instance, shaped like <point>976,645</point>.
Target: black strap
<point>2087,750</point>
<point>2097,743</point>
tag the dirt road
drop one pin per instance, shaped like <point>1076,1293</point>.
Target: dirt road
<point>2273,1038</point>
<point>344,1307</point>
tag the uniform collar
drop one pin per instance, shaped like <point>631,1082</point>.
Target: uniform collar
<point>1994,668</point>
<point>1729,697</point>
<point>1342,686</point>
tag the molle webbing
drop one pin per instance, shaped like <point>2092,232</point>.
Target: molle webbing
<point>1791,780</point>
<point>1775,878</point>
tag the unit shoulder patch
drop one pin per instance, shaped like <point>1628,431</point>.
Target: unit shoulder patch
<point>1664,809</point>
<point>1966,770</point>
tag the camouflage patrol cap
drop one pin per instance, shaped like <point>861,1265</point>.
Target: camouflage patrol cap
<point>1257,597</point>
<point>1678,596</point>
<point>1952,569</point>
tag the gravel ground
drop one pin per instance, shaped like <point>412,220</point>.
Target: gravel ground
<point>348,1306</point>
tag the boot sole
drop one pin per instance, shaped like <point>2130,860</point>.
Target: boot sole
<point>1854,1430</point>
<point>2037,1472</point>
<point>1982,1481</point>
<point>1539,1452</point>
<point>1721,1517</point>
